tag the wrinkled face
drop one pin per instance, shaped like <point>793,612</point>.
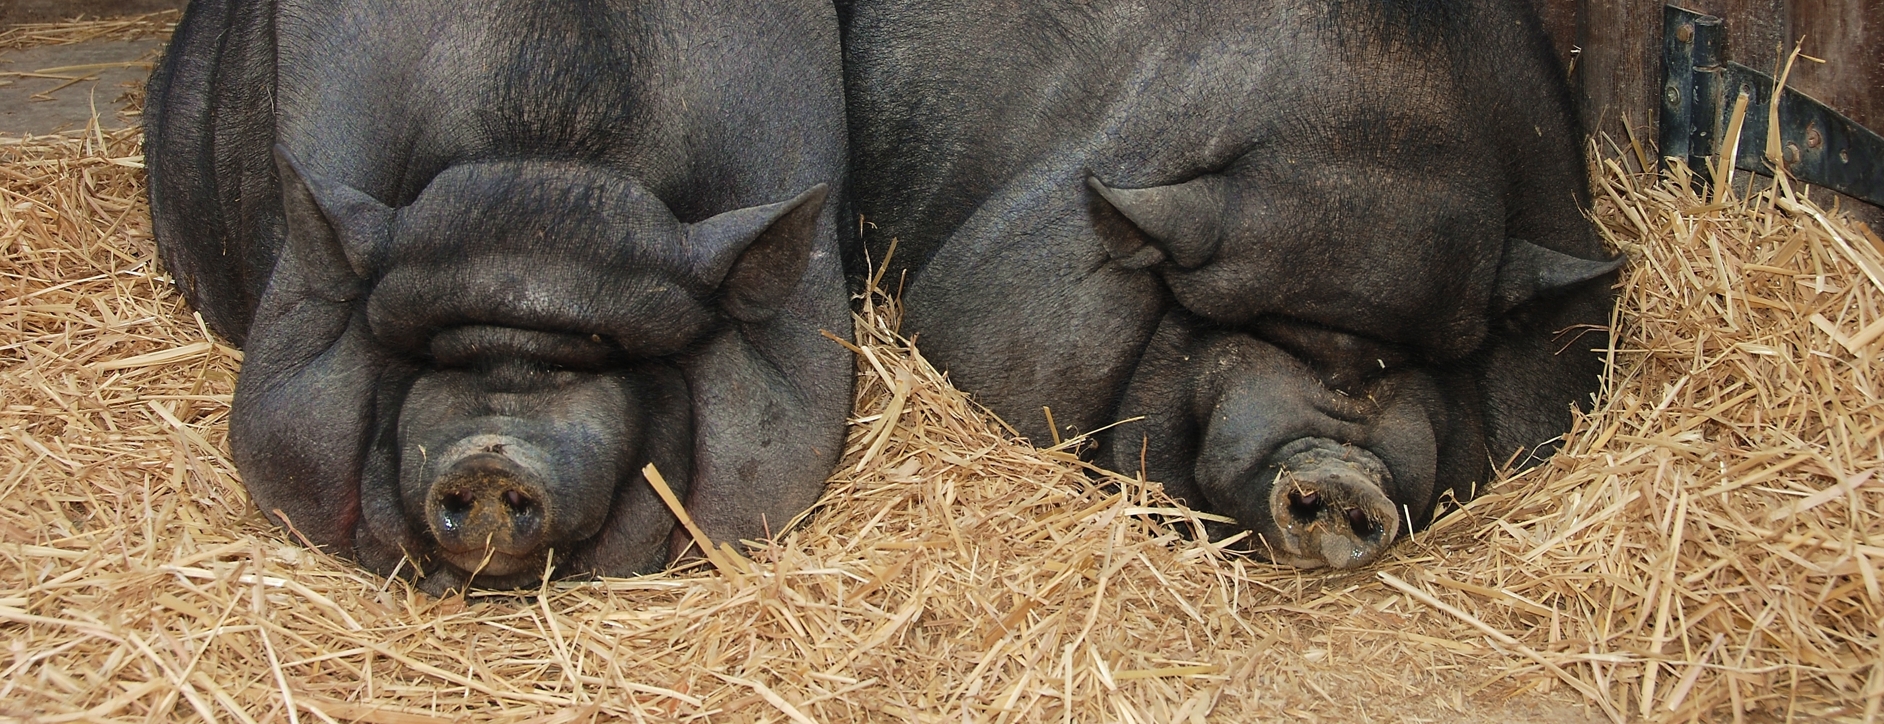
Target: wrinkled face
<point>1322,443</point>
<point>1308,301</point>
<point>472,383</point>
<point>511,446</point>
<point>536,329</point>
<point>1324,450</point>
<point>1318,376</point>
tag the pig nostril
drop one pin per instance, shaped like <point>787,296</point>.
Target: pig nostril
<point>1305,506</point>
<point>1363,526</point>
<point>457,503</point>
<point>518,502</point>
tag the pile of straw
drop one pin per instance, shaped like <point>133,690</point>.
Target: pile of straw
<point>1702,550</point>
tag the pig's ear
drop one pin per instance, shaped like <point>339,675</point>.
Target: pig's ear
<point>1183,222</point>
<point>1529,271</point>
<point>335,231</point>
<point>757,254</point>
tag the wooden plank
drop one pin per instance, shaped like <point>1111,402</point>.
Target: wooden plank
<point>1849,35</point>
<point>1846,34</point>
<point>1619,70</point>
<point>1618,66</point>
<point>1756,29</point>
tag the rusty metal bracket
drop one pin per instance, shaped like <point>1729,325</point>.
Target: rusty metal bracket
<point>1699,91</point>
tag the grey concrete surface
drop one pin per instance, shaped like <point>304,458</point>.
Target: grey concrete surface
<point>48,11</point>
<point>83,76</point>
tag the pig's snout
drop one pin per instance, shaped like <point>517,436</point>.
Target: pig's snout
<point>490,511</point>
<point>1329,505</point>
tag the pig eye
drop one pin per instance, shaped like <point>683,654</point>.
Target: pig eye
<point>480,346</point>
<point>1344,360</point>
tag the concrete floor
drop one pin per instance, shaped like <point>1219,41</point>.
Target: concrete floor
<point>55,88</point>
<point>49,11</point>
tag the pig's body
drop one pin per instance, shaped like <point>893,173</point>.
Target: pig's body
<point>1285,232</point>
<point>487,259</point>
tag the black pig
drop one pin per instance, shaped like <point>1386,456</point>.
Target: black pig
<point>489,259</point>
<point>1333,252</point>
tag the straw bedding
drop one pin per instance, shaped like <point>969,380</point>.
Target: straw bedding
<point>1705,548</point>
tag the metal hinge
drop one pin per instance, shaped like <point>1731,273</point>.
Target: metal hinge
<point>1699,92</point>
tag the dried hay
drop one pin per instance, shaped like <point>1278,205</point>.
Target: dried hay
<point>1702,549</point>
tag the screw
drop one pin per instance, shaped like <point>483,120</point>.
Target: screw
<point>1814,138</point>
<point>1792,154</point>
<point>1685,33</point>
<point>1672,96</point>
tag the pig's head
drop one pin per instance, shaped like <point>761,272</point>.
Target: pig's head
<point>492,365</point>
<point>1335,354</point>
<point>1324,469</point>
<point>514,443</point>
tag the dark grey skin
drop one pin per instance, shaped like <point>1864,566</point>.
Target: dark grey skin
<point>1333,253</point>
<point>487,260</point>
